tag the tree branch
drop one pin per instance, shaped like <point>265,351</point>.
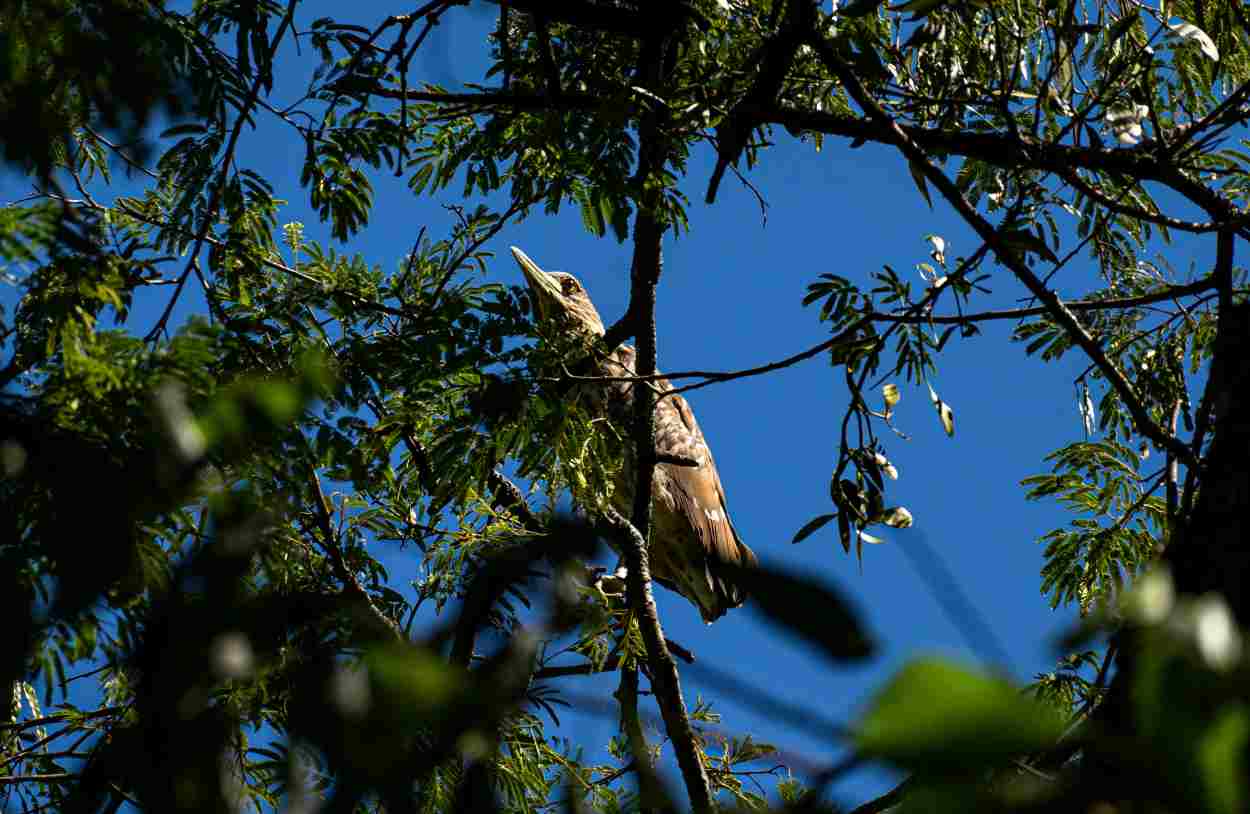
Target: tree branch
<point>1087,189</point>
<point>1006,255</point>
<point>664,678</point>
<point>665,681</point>
<point>631,725</point>
<point>63,718</point>
<point>774,58</point>
<point>1221,277</point>
<point>633,538</point>
<point>1080,306</point>
<point>209,216</point>
<point>329,544</point>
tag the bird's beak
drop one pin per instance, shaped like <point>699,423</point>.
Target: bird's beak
<point>542,284</point>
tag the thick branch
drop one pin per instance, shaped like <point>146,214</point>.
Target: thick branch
<point>665,681</point>
<point>997,149</point>
<point>1222,277</point>
<point>644,277</point>
<point>508,496</point>
<point>1006,150</point>
<point>774,57</point>
<point>631,725</point>
<point>664,678</point>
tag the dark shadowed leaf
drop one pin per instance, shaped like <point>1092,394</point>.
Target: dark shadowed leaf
<point>418,681</point>
<point>844,532</point>
<point>918,176</point>
<point>811,526</point>
<point>808,609</point>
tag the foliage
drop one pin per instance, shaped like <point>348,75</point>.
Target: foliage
<point>195,510</point>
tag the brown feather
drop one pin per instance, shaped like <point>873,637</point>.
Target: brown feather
<point>690,506</point>
<point>695,548</point>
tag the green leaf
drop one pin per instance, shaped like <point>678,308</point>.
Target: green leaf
<point>844,532</point>
<point>420,681</point>
<point>936,717</point>
<point>809,610</point>
<point>280,401</point>
<point>1122,26</point>
<point>919,8</point>
<point>1221,761</point>
<point>811,526</point>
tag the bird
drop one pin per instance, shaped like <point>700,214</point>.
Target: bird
<point>695,549</point>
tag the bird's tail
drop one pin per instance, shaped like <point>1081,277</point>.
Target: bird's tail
<point>725,578</point>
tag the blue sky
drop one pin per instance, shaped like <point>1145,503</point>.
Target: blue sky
<point>729,299</point>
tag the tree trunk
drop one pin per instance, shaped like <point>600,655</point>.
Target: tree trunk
<point>1211,551</point>
<point>1208,553</point>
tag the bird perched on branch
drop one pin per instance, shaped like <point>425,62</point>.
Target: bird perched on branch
<point>695,549</point>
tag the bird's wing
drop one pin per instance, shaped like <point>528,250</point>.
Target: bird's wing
<point>698,488</point>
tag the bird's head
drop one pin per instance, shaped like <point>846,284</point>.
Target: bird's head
<point>559,298</point>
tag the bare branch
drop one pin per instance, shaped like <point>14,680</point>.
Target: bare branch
<point>907,318</point>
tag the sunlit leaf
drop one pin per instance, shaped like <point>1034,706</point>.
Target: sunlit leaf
<point>1191,32</point>
<point>898,517</point>
<point>886,467</point>
<point>945,414</point>
<point>1088,415</point>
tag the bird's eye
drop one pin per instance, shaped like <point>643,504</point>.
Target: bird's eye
<point>570,286</point>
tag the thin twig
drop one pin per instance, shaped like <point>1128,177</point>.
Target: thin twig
<point>1006,255</point>
<point>214,198</point>
<point>716,376</point>
<point>329,544</point>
